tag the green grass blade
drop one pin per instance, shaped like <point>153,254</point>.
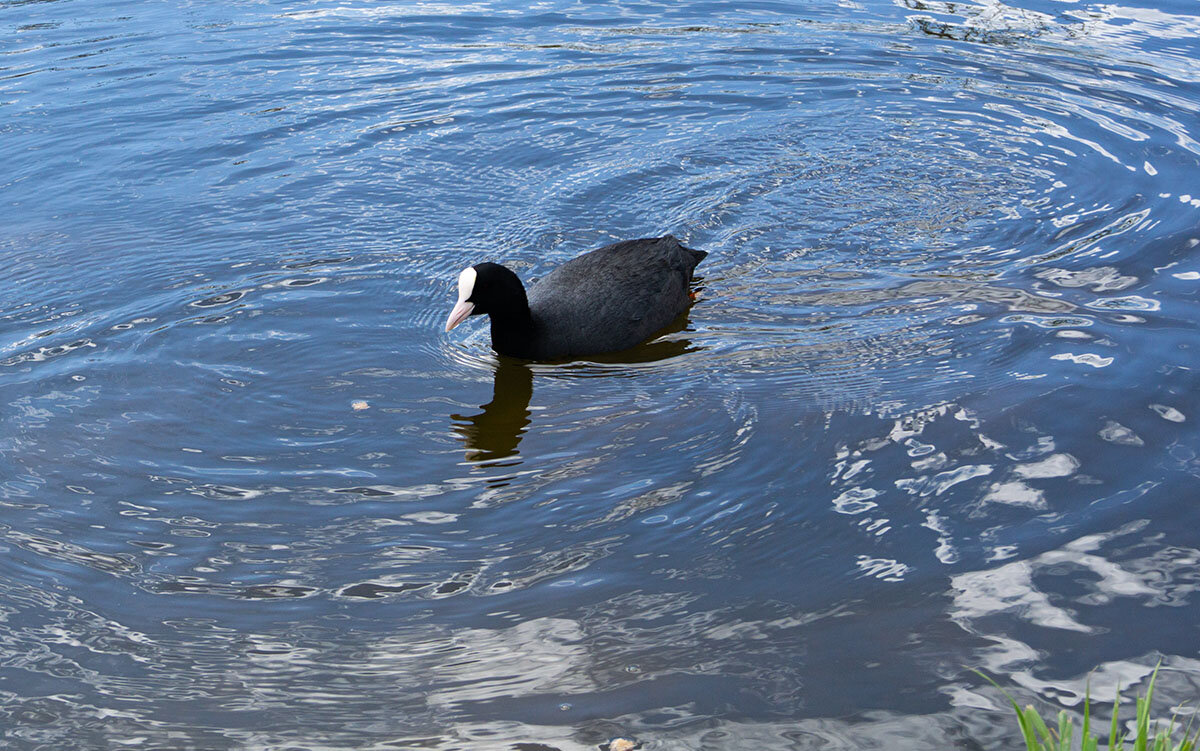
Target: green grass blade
<point>1164,736</point>
<point>1143,712</point>
<point>1066,729</point>
<point>1036,721</point>
<point>1189,741</point>
<point>1115,742</point>
<point>1143,724</point>
<point>1031,743</point>
<point>1086,732</point>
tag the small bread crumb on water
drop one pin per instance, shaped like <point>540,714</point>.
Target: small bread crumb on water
<point>622,744</point>
<point>359,405</point>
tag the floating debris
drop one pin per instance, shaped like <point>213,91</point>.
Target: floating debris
<point>359,405</point>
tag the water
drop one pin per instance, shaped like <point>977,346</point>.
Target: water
<point>935,408</point>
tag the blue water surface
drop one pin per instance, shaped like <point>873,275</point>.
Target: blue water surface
<point>936,407</point>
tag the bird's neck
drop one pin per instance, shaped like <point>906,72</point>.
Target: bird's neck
<point>514,330</point>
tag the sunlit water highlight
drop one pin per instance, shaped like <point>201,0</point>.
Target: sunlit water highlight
<point>935,407</point>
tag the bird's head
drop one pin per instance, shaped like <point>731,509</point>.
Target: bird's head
<point>487,288</point>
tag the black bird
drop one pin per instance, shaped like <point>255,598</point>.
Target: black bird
<point>606,300</point>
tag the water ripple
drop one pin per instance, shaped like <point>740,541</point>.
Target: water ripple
<point>932,407</point>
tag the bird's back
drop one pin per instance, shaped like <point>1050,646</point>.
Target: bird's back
<point>611,298</point>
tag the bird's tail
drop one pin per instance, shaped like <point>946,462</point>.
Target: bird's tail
<point>698,255</point>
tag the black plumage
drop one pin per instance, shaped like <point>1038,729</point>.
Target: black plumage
<point>605,300</point>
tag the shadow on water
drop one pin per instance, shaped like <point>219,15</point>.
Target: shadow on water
<point>495,433</point>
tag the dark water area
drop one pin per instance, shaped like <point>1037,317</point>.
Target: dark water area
<point>936,406</point>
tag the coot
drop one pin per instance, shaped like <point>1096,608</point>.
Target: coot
<point>606,300</point>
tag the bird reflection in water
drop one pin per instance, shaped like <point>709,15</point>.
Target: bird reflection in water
<point>494,434</point>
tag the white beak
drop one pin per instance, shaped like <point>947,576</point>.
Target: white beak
<point>462,311</point>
